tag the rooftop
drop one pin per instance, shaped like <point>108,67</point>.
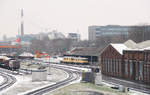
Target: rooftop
<point>119,47</point>
<point>92,51</point>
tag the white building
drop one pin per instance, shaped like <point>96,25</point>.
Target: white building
<point>55,35</point>
<point>74,36</point>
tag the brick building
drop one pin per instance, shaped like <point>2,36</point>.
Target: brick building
<point>112,60</point>
<point>127,61</point>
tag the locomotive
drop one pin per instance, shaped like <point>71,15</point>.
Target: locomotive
<point>75,60</point>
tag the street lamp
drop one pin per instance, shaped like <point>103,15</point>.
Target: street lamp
<point>49,67</point>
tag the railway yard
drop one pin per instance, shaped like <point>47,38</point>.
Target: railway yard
<point>61,79</point>
<point>66,78</point>
<point>25,84</point>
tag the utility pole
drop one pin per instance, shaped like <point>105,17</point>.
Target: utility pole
<point>49,71</point>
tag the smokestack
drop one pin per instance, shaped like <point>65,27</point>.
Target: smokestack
<point>22,23</point>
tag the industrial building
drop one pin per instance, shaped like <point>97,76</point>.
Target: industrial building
<point>7,48</point>
<point>109,30</point>
<point>96,32</point>
<point>127,60</point>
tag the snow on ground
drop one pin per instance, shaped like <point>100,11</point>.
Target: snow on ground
<point>24,82</point>
<point>79,68</point>
<point>76,81</point>
<point>1,79</point>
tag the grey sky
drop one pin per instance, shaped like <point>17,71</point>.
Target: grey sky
<point>70,15</point>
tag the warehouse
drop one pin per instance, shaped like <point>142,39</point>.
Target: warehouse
<point>128,60</point>
<point>146,67</point>
<point>137,65</point>
<point>111,59</point>
<point>133,64</point>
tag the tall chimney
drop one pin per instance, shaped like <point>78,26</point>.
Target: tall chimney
<point>22,23</point>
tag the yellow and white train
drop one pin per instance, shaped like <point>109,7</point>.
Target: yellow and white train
<point>75,60</point>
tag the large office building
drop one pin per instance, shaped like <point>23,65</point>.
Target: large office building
<point>109,30</point>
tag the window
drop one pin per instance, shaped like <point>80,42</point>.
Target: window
<point>109,65</point>
<point>116,65</point>
<point>126,67</point>
<point>141,70</point>
<point>131,68</point>
<point>119,65</point>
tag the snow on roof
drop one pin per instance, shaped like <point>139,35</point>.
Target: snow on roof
<point>148,48</point>
<point>119,47</point>
<point>130,44</point>
<point>144,44</point>
<point>5,57</point>
<point>26,54</point>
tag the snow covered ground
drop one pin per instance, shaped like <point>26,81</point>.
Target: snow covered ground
<point>1,79</point>
<point>76,68</point>
<point>24,82</point>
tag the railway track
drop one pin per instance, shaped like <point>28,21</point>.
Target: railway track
<point>72,76</point>
<point>8,81</point>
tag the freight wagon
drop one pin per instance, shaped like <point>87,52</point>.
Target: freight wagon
<point>9,63</point>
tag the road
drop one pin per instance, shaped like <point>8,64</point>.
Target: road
<point>129,84</point>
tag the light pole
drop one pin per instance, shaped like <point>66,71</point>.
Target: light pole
<point>49,67</point>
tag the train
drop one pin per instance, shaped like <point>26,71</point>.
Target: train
<point>75,60</point>
<point>9,63</point>
<point>69,60</point>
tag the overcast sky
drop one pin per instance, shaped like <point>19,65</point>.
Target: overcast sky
<point>70,15</point>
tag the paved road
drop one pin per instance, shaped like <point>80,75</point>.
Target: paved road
<point>131,85</point>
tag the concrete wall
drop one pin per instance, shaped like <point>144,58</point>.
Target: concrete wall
<point>39,75</point>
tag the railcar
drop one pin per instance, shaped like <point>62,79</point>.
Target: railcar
<point>9,63</point>
<point>75,60</point>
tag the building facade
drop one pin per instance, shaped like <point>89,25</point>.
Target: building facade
<point>120,61</point>
<point>112,60</point>
<point>74,36</point>
<point>9,49</point>
<point>109,30</point>
<point>137,65</point>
